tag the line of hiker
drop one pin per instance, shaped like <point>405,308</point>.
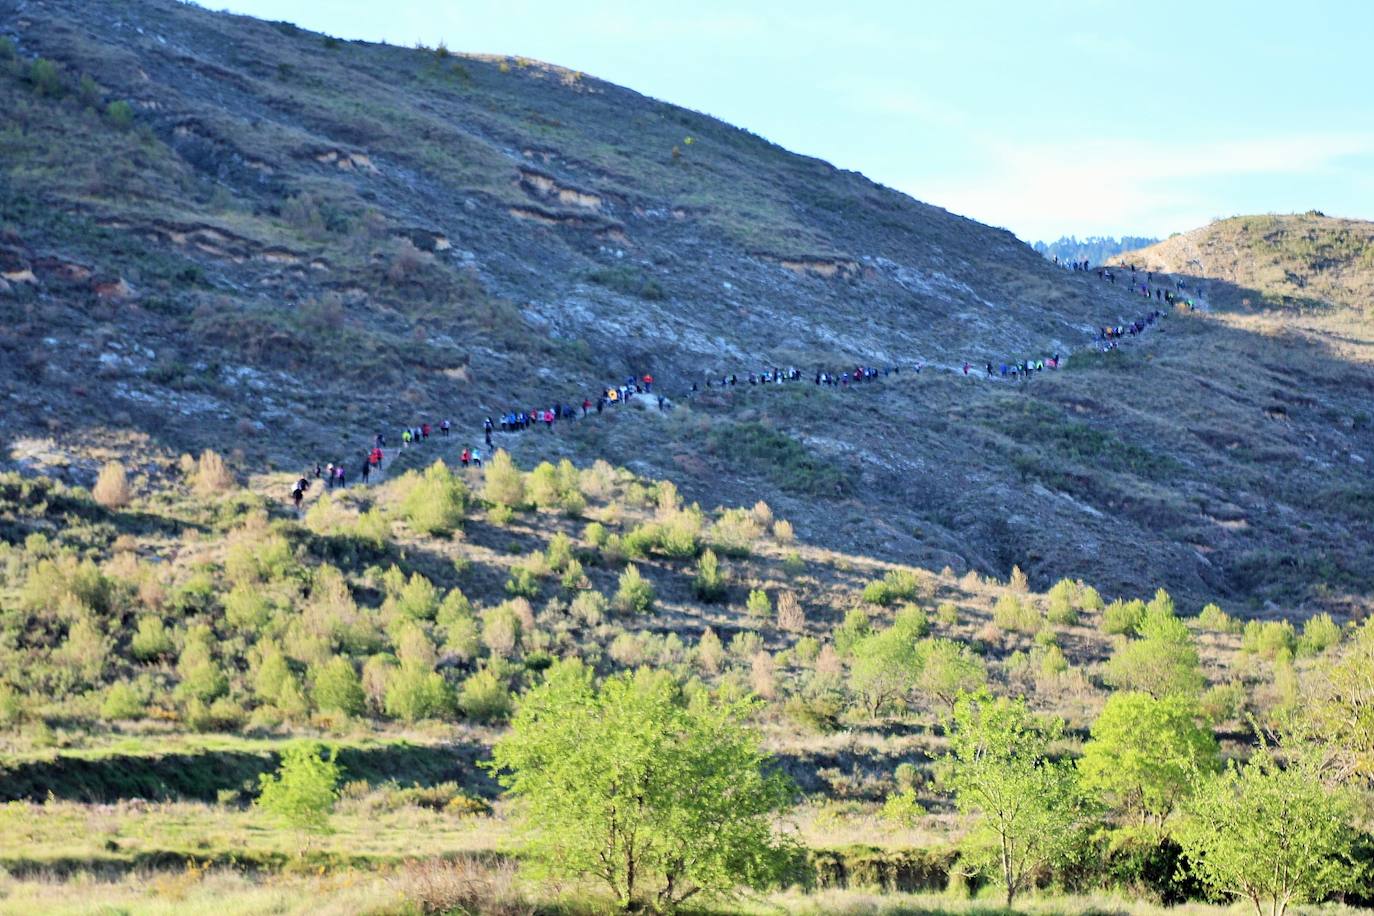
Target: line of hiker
<point>613,396</point>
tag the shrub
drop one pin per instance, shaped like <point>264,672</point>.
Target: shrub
<point>635,594</point>
<point>418,600</point>
<point>246,608</point>
<point>903,808</point>
<point>1123,618</point>
<point>522,583</point>
<point>710,654</point>
<point>337,688</point>
<point>1269,639</point>
<point>152,640</point>
<point>483,697</point>
<point>945,669</point>
<point>44,77</point>
<point>414,693</point>
<point>559,553</point>
<point>758,607</point>
<point>120,113</point>
<point>502,484</point>
<point>735,532</point>
<point>1017,581</point>
<point>1319,633</point>
<point>212,475</point>
<point>791,617</point>
<point>1063,598</point>
<point>746,644</point>
<point>112,486</point>
<point>806,650</point>
<point>435,501</point>
<point>1212,617</point>
<point>854,628</point>
<point>596,534</point>
<point>1160,667</point>
<point>896,585</point>
<point>1014,615</point>
<point>501,629</point>
<point>709,583</point>
<point>947,614</point>
<point>590,607</point>
<point>783,532</point>
<point>1223,702</point>
<point>122,701</point>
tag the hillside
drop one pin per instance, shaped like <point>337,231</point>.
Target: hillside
<point>227,233</point>
<point>1296,262</point>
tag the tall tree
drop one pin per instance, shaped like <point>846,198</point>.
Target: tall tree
<point>1144,754</point>
<point>1026,807</point>
<point>662,798</point>
<point>1270,834</point>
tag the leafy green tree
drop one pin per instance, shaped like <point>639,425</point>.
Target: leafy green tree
<point>152,640</point>
<point>759,607</point>
<point>1025,807</point>
<point>1145,753</point>
<point>1319,633</point>
<point>709,583</point>
<point>1338,708</point>
<point>855,627</point>
<point>1270,834</point>
<point>1164,661</point>
<point>337,687</point>
<point>659,797</point>
<point>304,789</point>
<point>946,668</point>
<point>1122,617</point>
<point>882,670</point>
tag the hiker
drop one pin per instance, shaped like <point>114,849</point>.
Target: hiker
<point>648,382</point>
<point>405,438</point>
<point>339,474</point>
<point>329,476</point>
<point>366,469</point>
<point>376,457</point>
<point>476,458</point>
<point>443,428</point>
<point>466,456</point>
<point>424,431</point>
<point>488,436</point>
<point>297,494</point>
<point>317,470</point>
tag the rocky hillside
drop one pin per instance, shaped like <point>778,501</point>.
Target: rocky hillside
<point>1287,261</point>
<point>231,233</point>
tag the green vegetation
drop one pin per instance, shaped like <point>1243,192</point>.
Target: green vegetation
<point>661,797</point>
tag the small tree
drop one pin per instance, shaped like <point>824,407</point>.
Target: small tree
<point>485,698</point>
<point>709,583</point>
<point>882,670</point>
<point>660,798</point>
<point>303,790</point>
<point>1145,752</point>
<point>791,617</point>
<point>1163,663</point>
<point>112,486</point>
<point>758,607</point>
<point>1025,806</point>
<point>946,668</point>
<point>1269,834</point>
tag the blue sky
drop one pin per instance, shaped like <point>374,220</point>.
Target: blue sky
<point>1049,117</point>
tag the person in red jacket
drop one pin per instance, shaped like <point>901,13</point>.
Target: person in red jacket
<point>466,456</point>
<point>424,430</point>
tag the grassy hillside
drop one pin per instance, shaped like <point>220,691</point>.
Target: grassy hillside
<point>1297,262</point>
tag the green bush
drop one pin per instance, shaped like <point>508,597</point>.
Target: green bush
<point>522,583</point>
<point>503,484</point>
<point>635,594</point>
<point>896,585</point>
<point>709,583</point>
<point>1212,617</point>
<point>1014,615</point>
<point>45,78</point>
<point>152,640</point>
<point>122,701</point>
<point>1123,618</point>
<point>1319,633</point>
<point>418,600</point>
<point>1269,639</point>
<point>337,688</point>
<point>856,626</point>
<point>120,113</point>
<point>435,502</point>
<point>304,789</point>
<point>484,697</point>
<point>1063,603</point>
<point>414,693</point>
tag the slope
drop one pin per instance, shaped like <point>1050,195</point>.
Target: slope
<point>221,232</point>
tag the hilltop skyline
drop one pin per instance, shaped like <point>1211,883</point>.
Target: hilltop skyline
<point>1071,119</point>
